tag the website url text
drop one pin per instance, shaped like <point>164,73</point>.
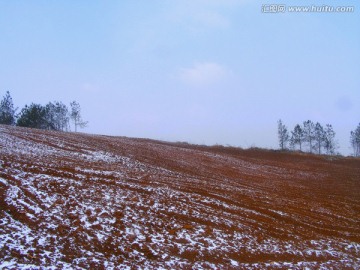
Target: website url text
<point>280,8</point>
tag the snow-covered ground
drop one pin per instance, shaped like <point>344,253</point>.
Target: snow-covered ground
<point>97,202</point>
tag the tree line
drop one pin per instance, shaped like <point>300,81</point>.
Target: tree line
<point>53,116</point>
<point>314,138</point>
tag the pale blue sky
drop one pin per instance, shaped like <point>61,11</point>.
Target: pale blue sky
<point>199,71</point>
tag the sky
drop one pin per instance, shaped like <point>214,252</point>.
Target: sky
<point>204,72</point>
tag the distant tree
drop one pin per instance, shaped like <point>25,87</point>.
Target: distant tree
<point>50,116</point>
<point>57,116</point>
<point>7,110</point>
<point>75,115</point>
<point>319,137</point>
<point>283,135</point>
<point>309,133</point>
<point>33,116</point>
<point>297,136</point>
<point>355,140</point>
<point>62,113</point>
<point>329,143</point>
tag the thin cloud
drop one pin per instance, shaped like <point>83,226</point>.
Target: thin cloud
<point>204,74</point>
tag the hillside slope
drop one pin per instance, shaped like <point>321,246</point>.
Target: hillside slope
<point>70,200</point>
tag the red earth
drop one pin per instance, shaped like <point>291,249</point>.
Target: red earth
<point>80,201</point>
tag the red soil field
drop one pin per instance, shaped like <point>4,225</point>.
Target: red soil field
<point>80,201</point>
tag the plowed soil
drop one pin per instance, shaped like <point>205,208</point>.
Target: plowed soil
<point>79,201</point>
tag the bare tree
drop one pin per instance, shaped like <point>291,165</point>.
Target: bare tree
<point>57,115</point>
<point>319,137</point>
<point>330,143</point>
<point>309,133</point>
<point>297,136</point>
<point>355,140</point>
<point>75,115</point>
<point>283,135</point>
